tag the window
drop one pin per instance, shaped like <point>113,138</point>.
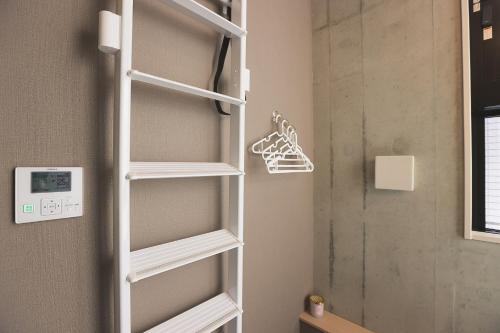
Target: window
<point>481,54</point>
<point>492,173</point>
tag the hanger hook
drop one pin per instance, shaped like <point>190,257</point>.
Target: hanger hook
<point>283,126</point>
<point>276,119</point>
<point>276,116</point>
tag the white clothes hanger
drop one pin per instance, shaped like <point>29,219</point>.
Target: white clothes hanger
<point>285,145</point>
<point>289,158</point>
<point>280,149</point>
<point>261,145</point>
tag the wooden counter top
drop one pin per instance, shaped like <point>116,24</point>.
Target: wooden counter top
<point>331,323</point>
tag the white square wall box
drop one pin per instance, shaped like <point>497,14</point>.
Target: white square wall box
<point>395,173</point>
<point>48,193</point>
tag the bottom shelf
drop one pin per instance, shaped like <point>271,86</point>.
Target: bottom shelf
<point>204,318</point>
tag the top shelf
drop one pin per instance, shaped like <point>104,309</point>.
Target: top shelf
<point>194,9</point>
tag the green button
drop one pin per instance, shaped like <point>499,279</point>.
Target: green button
<point>28,208</point>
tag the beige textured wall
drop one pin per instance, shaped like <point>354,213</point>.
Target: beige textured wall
<point>56,96</point>
<point>387,80</point>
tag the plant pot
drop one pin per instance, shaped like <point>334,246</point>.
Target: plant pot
<point>316,306</point>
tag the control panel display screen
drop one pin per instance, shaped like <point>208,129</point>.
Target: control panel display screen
<point>46,182</point>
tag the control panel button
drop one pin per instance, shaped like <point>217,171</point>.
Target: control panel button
<point>28,208</point>
<point>51,207</point>
<point>69,206</point>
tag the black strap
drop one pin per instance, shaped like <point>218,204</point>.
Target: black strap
<point>220,66</point>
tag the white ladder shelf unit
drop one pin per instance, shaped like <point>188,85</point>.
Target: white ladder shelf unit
<point>115,36</point>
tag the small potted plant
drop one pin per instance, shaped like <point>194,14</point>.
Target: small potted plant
<point>316,306</point>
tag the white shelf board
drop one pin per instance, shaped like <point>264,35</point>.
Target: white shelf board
<point>154,260</point>
<point>182,87</point>
<point>202,13</point>
<point>204,318</point>
<point>158,170</point>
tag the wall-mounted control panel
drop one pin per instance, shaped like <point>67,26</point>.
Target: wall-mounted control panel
<point>48,193</point>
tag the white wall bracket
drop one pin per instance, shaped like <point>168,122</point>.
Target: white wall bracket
<point>246,79</point>
<point>109,32</point>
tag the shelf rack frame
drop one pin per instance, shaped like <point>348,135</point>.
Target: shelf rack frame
<point>115,36</point>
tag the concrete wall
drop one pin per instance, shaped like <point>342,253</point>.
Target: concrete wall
<point>387,80</point>
<point>56,94</point>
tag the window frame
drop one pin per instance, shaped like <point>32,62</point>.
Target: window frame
<point>469,232</point>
